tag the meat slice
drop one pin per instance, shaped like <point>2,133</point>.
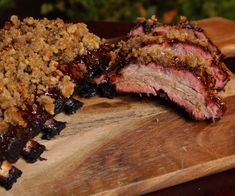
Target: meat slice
<point>187,38</point>
<point>178,61</point>
<point>181,85</point>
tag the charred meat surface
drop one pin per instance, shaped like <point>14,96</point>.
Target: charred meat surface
<point>72,105</point>
<point>107,90</point>
<point>86,88</point>
<point>51,128</point>
<point>32,151</point>
<point>8,175</point>
<point>87,70</point>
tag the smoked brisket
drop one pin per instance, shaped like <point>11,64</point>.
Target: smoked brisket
<point>178,60</point>
<point>45,62</point>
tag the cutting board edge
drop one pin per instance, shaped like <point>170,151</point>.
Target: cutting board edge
<point>213,18</point>
<point>173,178</point>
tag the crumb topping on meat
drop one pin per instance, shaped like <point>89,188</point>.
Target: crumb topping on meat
<point>30,51</point>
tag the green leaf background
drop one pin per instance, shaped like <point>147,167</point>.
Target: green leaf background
<point>128,10</point>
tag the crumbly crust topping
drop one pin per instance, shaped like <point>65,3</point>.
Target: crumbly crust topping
<point>185,30</point>
<point>136,45</point>
<point>30,51</point>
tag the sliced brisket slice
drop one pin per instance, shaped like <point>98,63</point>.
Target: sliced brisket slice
<point>182,86</point>
<point>190,34</point>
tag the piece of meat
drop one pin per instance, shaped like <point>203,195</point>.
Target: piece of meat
<point>178,61</point>
<point>87,70</point>
<point>32,151</point>
<point>8,175</point>
<point>15,138</point>
<point>187,39</point>
<point>12,142</point>
<point>52,128</point>
<point>180,84</point>
<point>72,105</point>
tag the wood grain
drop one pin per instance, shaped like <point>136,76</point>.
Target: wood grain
<point>131,145</point>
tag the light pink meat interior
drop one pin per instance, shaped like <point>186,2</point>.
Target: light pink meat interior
<point>180,85</point>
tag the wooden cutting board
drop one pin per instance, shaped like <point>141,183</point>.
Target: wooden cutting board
<point>132,145</point>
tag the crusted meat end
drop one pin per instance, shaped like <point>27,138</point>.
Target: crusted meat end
<point>160,58</point>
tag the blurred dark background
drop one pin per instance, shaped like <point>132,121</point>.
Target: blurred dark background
<point>116,10</point>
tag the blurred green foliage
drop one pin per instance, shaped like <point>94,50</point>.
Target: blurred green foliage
<point>128,10</point>
<point>113,10</point>
<point>196,9</point>
<point>6,4</point>
<point>110,10</point>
